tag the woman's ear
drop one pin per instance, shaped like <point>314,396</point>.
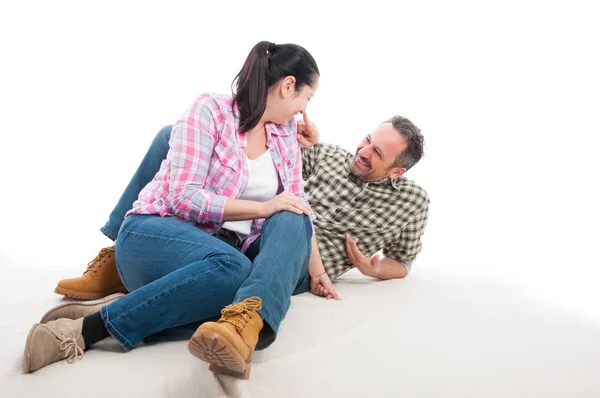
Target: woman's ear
<point>287,86</point>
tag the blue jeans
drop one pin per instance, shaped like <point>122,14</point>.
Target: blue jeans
<point>179,275</point>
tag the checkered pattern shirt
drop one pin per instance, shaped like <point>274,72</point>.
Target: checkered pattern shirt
<point>206,165</point>
<point>390,214</point>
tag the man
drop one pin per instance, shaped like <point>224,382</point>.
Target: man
<point>364,199</point>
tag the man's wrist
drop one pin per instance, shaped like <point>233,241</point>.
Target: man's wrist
<point>367,270</point>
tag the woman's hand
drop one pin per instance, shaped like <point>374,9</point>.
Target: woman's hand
<point>285,201</point>
<point>321,286</point>
<point>308,134</point>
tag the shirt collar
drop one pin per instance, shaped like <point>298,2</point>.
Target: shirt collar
<point>282,130</point>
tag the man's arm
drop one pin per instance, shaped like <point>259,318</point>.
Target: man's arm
<point>406,249</point>
<point>386,268</point>
<point>390,269</point>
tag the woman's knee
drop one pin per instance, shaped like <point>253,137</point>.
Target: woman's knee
<point>293,221</point>
<point>290,218</point>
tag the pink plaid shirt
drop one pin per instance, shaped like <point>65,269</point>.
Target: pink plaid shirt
<point>206,165</point>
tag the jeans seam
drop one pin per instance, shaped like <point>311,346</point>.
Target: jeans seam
<point>121,276</point>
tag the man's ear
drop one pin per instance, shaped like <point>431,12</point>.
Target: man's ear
<point>396,172</point>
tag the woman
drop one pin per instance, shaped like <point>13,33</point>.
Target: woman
<point>224,221</point>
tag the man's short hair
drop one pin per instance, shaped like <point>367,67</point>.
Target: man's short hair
<point>414,151</point>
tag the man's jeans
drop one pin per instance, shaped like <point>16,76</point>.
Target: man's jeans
<point>180,275</point>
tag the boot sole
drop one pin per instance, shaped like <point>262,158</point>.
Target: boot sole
<point>104,300</point>
<point>81,295</point>
<point>223,358</point>
<point>26,359</point>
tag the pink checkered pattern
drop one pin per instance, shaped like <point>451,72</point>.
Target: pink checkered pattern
<point>206,165</point>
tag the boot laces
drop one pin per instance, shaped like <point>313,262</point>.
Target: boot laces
<point>96,261</point>
<point>69,346</point>
<point>240,313</point>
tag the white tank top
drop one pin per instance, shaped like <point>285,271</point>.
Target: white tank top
<point>263,183</point>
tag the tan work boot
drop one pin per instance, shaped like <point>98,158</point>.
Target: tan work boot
<point>228,344</point>
<point>53,341</point>
<point>76,310</point>
<point>100,279</point>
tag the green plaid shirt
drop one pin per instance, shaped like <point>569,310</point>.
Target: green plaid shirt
<point>390,214</point>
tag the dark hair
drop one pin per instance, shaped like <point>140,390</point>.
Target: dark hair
<point>414,151</point>
<point>265,66</point>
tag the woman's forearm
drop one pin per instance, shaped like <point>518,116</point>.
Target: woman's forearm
<point>238,210</point>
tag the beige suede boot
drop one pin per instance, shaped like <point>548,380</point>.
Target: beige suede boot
<point>53,341</point>
<point>76,310</point>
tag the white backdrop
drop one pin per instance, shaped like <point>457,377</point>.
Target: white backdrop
<point>506,95</point>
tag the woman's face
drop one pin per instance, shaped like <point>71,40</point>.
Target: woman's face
<point>288,101</point>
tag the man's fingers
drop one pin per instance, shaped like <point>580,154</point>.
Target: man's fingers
<point>349,251</point>
<point>302,140</point>
<point>352,248</point>
<point>305,118</point>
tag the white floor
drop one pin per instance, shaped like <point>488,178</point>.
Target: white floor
<point>431,335</point>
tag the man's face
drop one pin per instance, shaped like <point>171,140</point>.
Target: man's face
<point>377,152</point>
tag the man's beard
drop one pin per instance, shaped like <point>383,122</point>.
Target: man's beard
<point>363,173</point>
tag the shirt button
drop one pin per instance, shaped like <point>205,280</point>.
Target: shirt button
<point>337,211</point>
<point>355,200</point>
<point>278,164</point>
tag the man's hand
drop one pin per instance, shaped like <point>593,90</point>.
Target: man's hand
<point>367,266</point>
<point>308,134</point>
<point>322,286</point>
